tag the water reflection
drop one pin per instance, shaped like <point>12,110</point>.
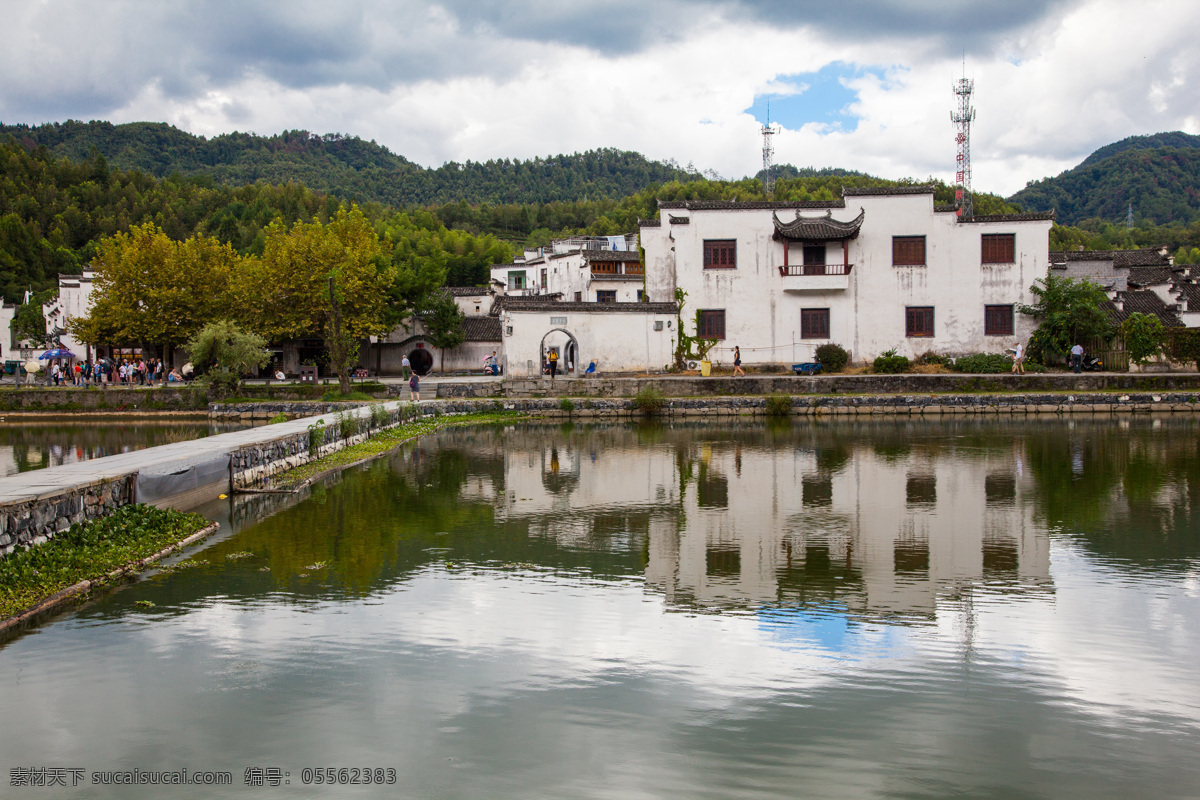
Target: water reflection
<point>875,609</point>
<point>38,444</point>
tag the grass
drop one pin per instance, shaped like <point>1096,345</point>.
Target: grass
<point>382,442</point>
<point>89,551</point>
<point>649,400</point>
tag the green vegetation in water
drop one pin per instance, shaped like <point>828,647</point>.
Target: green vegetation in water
<point>778,405</point>
<point>649,400</point>
<point>382,442</point>
<point>89,551</point>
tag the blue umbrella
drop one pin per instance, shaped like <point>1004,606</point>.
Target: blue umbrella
<point>58,352</point>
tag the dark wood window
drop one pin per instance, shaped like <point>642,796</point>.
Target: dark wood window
<point>908,251</point>
<point>997,320</point>
<point>720,254</point>
<point>712,324</point>
<point>578,296</point>
<point>999,248</point>
<point>814,323</point>
<point>606,295</point>
<point>918,321</point>
<point>814,259</point>
<point>543,279</point>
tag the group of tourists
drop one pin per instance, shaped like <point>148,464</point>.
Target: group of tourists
<point>126,372</point>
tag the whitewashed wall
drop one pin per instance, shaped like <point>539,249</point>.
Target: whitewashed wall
<point>619,340</point>
<point>867,316</point>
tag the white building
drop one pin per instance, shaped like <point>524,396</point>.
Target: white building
<point>585,269</point>
<point>879,269</point>
<point>74,301</point>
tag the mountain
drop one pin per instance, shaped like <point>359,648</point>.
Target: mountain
<point>1159,175</point>
<point>346,166</point>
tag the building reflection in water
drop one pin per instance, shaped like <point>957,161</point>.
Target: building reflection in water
<point>864,519</point>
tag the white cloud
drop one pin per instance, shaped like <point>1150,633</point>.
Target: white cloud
<point>459,82</point>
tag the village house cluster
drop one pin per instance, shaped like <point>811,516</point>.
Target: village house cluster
<point>880,269</point>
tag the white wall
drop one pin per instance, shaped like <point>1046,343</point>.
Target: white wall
<point>867,316</point>
<point>619,340</point>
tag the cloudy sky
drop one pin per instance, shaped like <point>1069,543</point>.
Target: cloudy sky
<point>859,84</point>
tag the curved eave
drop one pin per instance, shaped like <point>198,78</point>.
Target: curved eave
<point>817,229</point>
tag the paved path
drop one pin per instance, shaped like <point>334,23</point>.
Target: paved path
<point>166,470</point>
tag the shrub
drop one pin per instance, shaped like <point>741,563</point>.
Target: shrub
<point>1144,336</point>
<point>778,405</point>
<point>275,420</point>
<point>649,400</point>
<point>566,405</point>
<point>832,357</point>
<point>890,363</point>
<point>931,358</point>
<point>379,416</point>
<point>1185,345</point>
<point>983,363</point>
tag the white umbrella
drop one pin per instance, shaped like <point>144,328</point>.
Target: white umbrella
<point>32,366</point>
<point>187,369</point>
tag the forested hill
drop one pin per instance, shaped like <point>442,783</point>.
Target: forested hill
<point>1159,175</point>
<point>347,166</point>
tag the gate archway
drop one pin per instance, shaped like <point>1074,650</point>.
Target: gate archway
<point>421,361</point>
<point>563,341</point>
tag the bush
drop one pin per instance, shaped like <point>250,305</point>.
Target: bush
<point>983,363</point>
<point>778,405</point>
<point>1144,335</point>
<point>649,400</point>
<point>278,418</point>
<point>891,364</point>
<point>566,405</point>
<point>832,357</point>
<point>931,358</point>
<point>1185,345</point>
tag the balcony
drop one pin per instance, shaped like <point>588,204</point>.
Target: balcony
<point>815,277</point>
<point>618,271</point>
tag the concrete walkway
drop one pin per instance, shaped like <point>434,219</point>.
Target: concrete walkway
<point>183,473</point>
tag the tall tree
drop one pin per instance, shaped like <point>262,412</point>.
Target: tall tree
<point>1069,311</point>
<point>288,294</point>
<point>152,290</point>
<point>443,321</point>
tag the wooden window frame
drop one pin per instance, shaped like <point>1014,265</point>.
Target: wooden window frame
<point>720,253</point>
<point>707,325</point>
<point>908,251</point>
<point>998,248</point>
<point>919,322</point>
<point>1002,314</point>
<point>814,323</point>
<point>606,295</point>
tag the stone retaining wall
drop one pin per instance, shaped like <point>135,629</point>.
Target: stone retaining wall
<point>688,386</point>
<point>272,409</point>
<point>32,522</point>
<point>162,398</point>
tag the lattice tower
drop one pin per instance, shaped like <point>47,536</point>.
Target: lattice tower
<point>962,118</point>
<point>768,179</point>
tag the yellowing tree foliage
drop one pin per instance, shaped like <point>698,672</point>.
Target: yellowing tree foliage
<point>151,290</point>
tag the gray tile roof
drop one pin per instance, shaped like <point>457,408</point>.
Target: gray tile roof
<point>518,304</point>
<point>1150,276</point>
<point>750,205</point>
<point>818,229</point>
<point>1144,302</point>
<point>1032,216</point>
<point>611,255</point>
<point>871,191</point>
<point>1189,294</point>
<point>467,291</point>
<point>482,329</point>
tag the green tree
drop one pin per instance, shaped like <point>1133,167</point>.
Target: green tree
<point>443,321</point>
<point>225,354</point>
<point>1144,335</point>
<point>28,324</point>
<point>1068,311</point>
<point>288,292</point>
<point>151,290</point>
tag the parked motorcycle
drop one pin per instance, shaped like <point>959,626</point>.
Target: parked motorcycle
<point>1090,363</point>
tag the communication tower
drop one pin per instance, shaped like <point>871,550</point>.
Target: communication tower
<point>768,130</point>
<point>962,118</point>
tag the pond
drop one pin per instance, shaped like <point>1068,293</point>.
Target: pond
<point>40,443</point>
<point>971,607</point>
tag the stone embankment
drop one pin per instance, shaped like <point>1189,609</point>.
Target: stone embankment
<point>33,520</point>
<point>765,384</point>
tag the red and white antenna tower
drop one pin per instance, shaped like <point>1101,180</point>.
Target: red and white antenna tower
<point>962,118</point>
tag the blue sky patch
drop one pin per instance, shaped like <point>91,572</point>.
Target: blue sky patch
<point>824,100</point>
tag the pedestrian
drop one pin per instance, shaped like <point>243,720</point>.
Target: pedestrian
<point>1077,358</point>
<point>1018,367</point>
<point>414,388</point>
<point>553,363</point>
<point>405,367</point>
<point>737,362</point>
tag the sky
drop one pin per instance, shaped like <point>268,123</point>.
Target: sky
<point>865,85</point>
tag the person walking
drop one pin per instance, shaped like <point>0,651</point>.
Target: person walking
<point>1018,367</point>
<point>737,362</point>
<point>553,357</point>
<point>414,388</point>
